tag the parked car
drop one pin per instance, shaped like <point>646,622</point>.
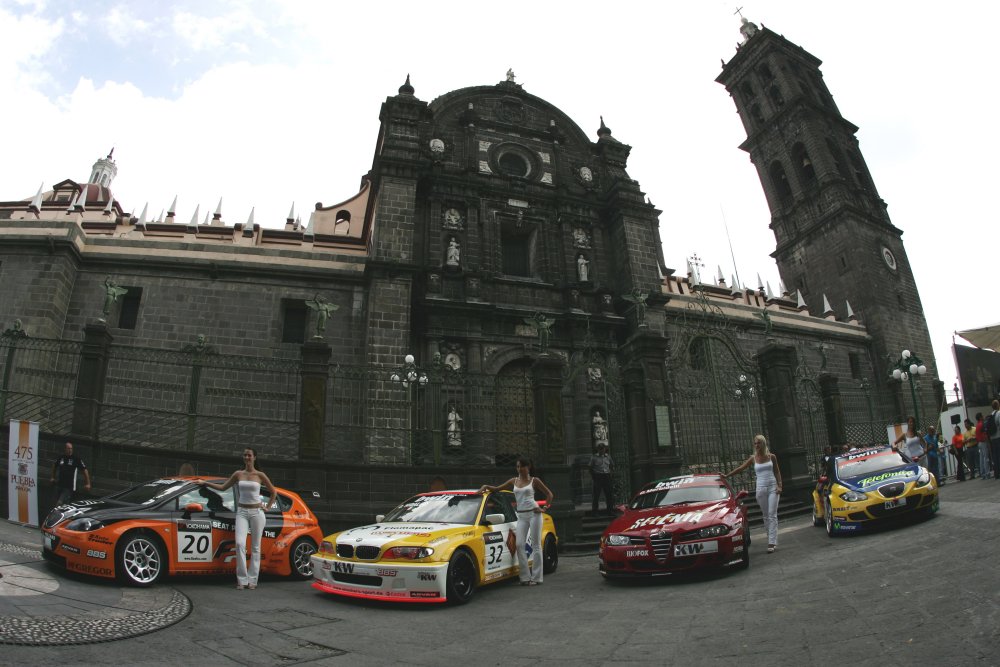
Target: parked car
<point>174,526</point>
<point>435,547</point>
<point>867,486</point>
<point>677,524</point>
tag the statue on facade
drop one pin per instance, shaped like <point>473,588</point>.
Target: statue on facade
<point>510,75</point>
<point>453,255</point>
<point>600,428</point>
<point>543,328</point>
<point>111,293</point>
<point>323,309</point>
<point>582,268</point>
<point>454,429</point>
<point>638,299</point>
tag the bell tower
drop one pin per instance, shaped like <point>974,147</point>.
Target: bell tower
<point>832,231</point>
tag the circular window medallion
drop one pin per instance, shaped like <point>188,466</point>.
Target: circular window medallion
<point>512,164</point>
<point>889,259</point>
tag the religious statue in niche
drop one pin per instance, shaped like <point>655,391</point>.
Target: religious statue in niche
<point>452,219</point>
<point>111,293</point>
<point>453,436</point>
<point>586,175</point>
<point>580,237</point>
<point>594,376</point>
<point>323,309</point>
<point>600,428</point>
<point>453,255</point>
<point>582,268</point>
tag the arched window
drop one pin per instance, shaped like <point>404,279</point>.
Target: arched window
<point>775,94</point>
<point>780,181</point>
<point>342,223</point>
<point>860,175</point>
<point>838,160</point>
<point>756,114</point>
<point>513,164</point>
<point>803,165</point>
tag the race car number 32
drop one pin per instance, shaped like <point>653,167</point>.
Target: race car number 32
<point>194,541</point>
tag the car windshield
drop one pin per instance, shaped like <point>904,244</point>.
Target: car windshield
<point>865,463</point>
<point>661,494</point>
<point>445,508</point>
<point>150,492</point>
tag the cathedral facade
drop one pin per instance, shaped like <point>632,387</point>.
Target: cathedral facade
<point>495,289</point>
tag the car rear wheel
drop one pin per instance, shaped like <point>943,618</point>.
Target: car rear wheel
<point>828,517</point>
<point>300,558</point>
<point>139,559</point>
<point>817,519</point>
<point>550,555</point>
<point>461,582</point>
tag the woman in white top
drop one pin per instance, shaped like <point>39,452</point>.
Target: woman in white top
<point>768,474</point>
<point>529,518</point>
<point>249,515</point>
<point>911,441</point>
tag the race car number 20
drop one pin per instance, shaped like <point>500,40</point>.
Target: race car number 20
<point>194,541</point>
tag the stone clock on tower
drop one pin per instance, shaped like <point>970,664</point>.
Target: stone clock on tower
<point>832,231</point>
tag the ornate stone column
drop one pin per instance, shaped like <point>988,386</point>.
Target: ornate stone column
<point>777,364</point>
<point>90,381</point>
<point>833,409</point>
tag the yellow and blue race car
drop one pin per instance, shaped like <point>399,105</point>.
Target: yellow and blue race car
<point>435,547</point>
<point>866,486</point>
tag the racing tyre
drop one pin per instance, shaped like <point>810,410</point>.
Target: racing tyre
<point>745,560</point>
<point>139,560</point>
<point>828,518</point>
<point>550,555</point>
<point>300,558</point>
<point>817,519</point>
<point>461,582</point>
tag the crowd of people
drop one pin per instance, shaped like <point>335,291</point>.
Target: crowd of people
<point>975,449</point>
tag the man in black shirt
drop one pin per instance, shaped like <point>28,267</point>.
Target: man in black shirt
<point>64,475</point>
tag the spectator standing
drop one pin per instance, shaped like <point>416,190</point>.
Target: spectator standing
<point>65,475</point>
<point>911,441</point>
<point>600,474</point>
<point>994,435</point>
<point>971,448</point>
<point>932,453</point>
<point>958,449</point>
<point>983,445</point>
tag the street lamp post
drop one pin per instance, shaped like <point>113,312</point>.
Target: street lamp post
<point>409,376</point>
<point>745,392</point>
<point>908,366</point>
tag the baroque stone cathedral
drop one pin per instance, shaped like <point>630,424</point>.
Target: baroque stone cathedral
<point>496,288</point>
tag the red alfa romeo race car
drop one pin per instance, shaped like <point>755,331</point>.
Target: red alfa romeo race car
<point>677,524</point>
<point>174,526</point>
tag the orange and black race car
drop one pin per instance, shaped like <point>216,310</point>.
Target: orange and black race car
<point>174,526</point>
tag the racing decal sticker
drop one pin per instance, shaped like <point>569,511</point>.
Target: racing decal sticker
<point>637,553</point>
<point>194,541</point>
<point>668,484</point>
<point>886,475</point>
<point>494,552</point>
<point>426,576</point>
<point>88,569</point>
<point>696,548</point>
<point>692,517</point>
<point>94,553</point>
<point>70,548</point>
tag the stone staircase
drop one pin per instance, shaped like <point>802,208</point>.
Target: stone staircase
<point>586,542</point>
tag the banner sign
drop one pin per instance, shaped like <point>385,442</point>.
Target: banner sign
<point>22,466</point>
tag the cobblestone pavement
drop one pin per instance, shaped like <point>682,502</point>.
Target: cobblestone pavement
<point>920,594</point>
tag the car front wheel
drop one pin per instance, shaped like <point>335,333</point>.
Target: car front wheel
<point>300,558</point>
<point>745,560</point>
<point>139,559</point>
<point>461,582</point>
<point>828,517</point>
<point>817,519</point>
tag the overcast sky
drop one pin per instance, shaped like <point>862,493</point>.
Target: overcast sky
<point>268,103</point>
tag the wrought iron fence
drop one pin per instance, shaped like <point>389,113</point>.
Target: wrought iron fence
<point>38,379</point>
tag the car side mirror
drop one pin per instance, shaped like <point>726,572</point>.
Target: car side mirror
<point>194,507</point>
<point>493,519</point>
<point>379,518</point>
<point>741,496</point>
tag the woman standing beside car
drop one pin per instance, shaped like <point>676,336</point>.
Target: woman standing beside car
<point>529,518</point>
<point>249,515</point>
<point>768,474</point>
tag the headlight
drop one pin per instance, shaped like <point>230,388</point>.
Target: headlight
<point>409,553</point>
<point>853,496</point>
<point>326,547</point>
<point>711,531</point>
<point>84,524</point>
<point>618,540</point>
<point>924,479</point>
